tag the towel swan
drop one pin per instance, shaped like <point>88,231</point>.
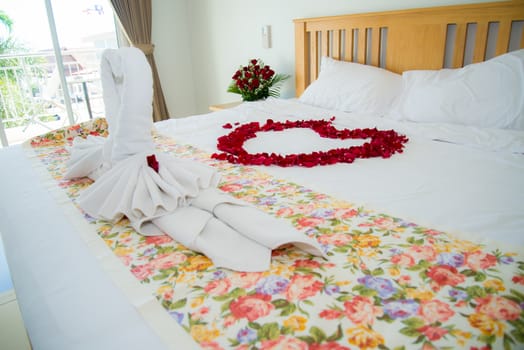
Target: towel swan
<point>159,193</point>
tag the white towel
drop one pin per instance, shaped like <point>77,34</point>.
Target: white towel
<point>125,184</point>
<point>133,189</point>
<point>201,231</point>
<point>86,158</point>
<point>267,230</point>
<point>177,197</point>
<point>232,233</point>
<point>129,95</point>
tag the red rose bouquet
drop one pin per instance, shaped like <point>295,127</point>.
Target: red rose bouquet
<point>256,81</point>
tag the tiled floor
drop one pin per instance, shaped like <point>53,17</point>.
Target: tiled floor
<point>5,278</point>
<point>12,331</point>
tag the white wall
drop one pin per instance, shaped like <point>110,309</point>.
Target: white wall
<point>171,37</point>
<point>221,35</point>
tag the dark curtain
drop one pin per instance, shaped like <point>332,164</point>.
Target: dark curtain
<point>135,16</point>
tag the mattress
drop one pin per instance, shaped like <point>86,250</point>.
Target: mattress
<point>462,180</point>
<point>82,284</point>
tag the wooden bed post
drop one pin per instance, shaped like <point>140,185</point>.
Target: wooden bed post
<point>301,55</point>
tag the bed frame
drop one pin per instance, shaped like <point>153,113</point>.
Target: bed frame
<point>425,38</point>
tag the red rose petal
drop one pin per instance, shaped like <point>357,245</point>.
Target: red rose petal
<point>384,143</point>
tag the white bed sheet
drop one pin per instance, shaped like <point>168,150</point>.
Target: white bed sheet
<point>463,180</point>
<point>72,291</point>
<point>472,190</point>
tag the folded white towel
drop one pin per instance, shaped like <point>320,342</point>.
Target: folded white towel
<point>265,229</point>
<point>201,231</point>
<point>159,193</point>
<point>232,233</point>
<point>127,91</point>
<point>86,158</point>
<point>133,189</point>
<point>129,94</point>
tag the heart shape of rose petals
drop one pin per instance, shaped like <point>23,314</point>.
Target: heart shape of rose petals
<point>382,143</point>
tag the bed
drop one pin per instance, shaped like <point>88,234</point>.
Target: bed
<point>425,247</point>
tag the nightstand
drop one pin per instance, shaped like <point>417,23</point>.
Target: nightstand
<point>223,106</point>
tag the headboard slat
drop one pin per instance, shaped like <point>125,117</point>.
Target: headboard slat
<point>416,39</point>
<point>313,56</point>
<point>481,41</point>
<point>302,45</point>
<point>460,45</point>
<point>522,38</point>
<point>325,43</point>
<point>503,37</point>
<point>375,46</point>
<point>336,44</point>
<point>348,45</point>
<point>362,45</point>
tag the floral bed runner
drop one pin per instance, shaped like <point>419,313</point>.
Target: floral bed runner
<point>387,284</point>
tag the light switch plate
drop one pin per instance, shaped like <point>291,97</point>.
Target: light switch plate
<point>266,37</point>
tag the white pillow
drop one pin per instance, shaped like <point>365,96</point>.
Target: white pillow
<point>489,94</point>
<point>352,87</point>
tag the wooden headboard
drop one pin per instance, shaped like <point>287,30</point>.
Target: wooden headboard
<point>425,38</point>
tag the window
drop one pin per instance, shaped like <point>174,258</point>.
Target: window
<point>44,46</point>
